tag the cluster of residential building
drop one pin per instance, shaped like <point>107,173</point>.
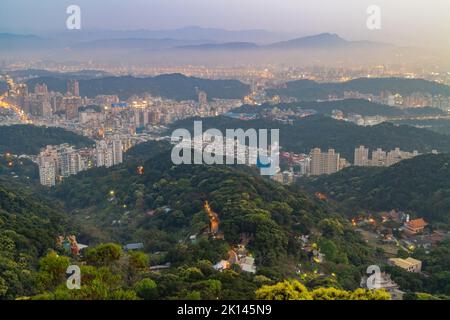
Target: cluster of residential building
<point>116,125</point>
<point>315,163</point>
<point>357,118</point>
<point>413,100</point>
<point>318,162</point>
<point>381,158</point>
<point>42,103</point>
<point>94,117</point>
<point>326,162</point>
<point>285,114</point>
<point>59,162</point>
<point>412,230</point>
<point>228,149</point>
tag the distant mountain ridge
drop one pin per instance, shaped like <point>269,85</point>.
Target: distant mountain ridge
<point>193,38</point>
<point>135,44</point>
<point>320,40</point>
<point>219,46</point>
<point>9,41</point>
<point>323,40</point>
<point>190,33</point>
<point>13,36</point>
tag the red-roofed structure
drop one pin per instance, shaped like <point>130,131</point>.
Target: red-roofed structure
<point>415,226</point>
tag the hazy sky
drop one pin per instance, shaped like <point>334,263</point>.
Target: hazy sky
<point>403,21</point>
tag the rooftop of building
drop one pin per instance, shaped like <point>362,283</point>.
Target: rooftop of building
<point>405,263</point>
<point>417,223</point>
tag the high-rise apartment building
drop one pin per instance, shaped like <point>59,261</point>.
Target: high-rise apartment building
<point>73,88</point>
<point>40,89</point>
<point>141,118</point>
<point>48,166</point>
<point>117,150</point>
<point>361,156</point>
<point>47,172</point>
<point>70,162</point>
<point>202,98</point>
<point>101,154</point>
<point>381,158</point>
<point>40,105</point>
<point>316,162</point>
<point>58,162</point>
<point>21,97</point>
<point>109,153</point>
<point>332,162</point>
<point>71,105</point>
<point>154,117</point>
<point>396,155</point>
<point>378,158</point>
<point>324,163</point>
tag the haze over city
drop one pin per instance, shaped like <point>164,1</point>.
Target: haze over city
<point>404,22</point>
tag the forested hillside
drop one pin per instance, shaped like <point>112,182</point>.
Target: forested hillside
<point>347,106</point>
<point>28,228</point>
<point>29,139</point>
<point>164,206</point>
<point>171,86</point>
<point>308,90</point>
<point>421,185</point>
<point>324,132</point>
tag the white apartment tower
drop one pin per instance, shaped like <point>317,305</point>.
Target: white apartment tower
<point>378,158</point>
<point>117,150</point>
<point>47,161</point>
<point>70,162</point>
<point>393,157</point>
<point>361,156</point>
<point>101,153</point>
<point>47,170</point>
<point>109,153</point>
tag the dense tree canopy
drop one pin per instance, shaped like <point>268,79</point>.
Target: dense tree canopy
<point>308,90</point>
<point>419,185</point>
<point>172,86</point>
<point>294,290</point>
<point>324,132</point>
<point>29,139</point>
